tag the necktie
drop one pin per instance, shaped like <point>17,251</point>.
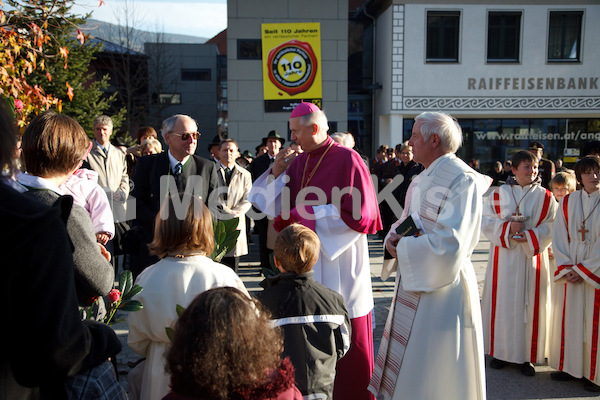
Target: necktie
<point>177,169</point>
<point>227,175</point>
<point>271,160</point>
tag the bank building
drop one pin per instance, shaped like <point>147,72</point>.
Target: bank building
<point>511,72</point>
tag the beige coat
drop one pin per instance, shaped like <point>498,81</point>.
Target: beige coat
<point>112,176</point>
<point>232,201</point>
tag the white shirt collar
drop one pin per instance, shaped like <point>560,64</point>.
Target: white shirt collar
<point>38,183</point>
<point>173,161</point>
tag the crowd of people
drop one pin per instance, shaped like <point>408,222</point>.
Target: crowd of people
<point>82,204</point>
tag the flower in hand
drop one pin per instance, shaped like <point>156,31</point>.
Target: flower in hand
<point>114,295</point>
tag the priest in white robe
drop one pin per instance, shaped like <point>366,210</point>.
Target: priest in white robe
<point>432,346</point>
<point>574,334</point>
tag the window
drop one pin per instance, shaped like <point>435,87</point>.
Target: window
<point>442,35</point>
<point>166,98</point>
<point>249,49</point>
<point>195,74</point>
<point>564,36</point>
<point>504,36</point>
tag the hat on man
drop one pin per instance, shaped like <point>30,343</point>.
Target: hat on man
<point>215,142</point>
<point>536,146</point>
<point>304,108</point>
<point>273,135</point>
<point>247,154</point>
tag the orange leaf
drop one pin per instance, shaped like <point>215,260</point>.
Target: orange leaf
<point>69,91</point>
<point>80,36</point>
<point>101,2</point>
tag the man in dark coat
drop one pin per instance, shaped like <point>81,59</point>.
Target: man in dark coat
<point>545,167</point>
<point>176,170</point>
<point>259,165</point>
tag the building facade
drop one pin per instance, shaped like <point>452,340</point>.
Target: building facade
<point>248,119</point>
<point>510,72</point>
<point>182,79</point>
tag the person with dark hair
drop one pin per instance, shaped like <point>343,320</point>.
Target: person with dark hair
<point>135,152</point>
<point>54,146</point>
<point>313,318</point>
<point>184,241</point>
<point>518,220</point>
<point>231,198</point>
<point>38,297</point>
<point>264,226</point>
<point>574,338</point>
<point>591,148</point>
<point>546,168</point>
<point>225,348</point>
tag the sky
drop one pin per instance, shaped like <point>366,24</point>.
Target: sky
<point>204,18</point>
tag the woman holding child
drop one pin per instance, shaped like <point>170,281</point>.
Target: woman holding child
<point>184,244</point>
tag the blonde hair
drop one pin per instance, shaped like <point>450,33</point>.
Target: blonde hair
<point>297,248</point>
<point>564,179</point>
<point>193,233</point>
<point>151,143</point>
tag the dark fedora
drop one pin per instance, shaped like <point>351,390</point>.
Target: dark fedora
<point>273,134</point>
<point>215,142</point>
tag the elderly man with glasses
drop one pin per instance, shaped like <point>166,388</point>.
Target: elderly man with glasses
<point>176,170</point>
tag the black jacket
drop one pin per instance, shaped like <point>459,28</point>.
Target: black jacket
<point>315,326</point>
<point>44,339</point>
<point>147,183</point>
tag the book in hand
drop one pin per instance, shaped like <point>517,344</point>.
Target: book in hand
<point>409,227</point>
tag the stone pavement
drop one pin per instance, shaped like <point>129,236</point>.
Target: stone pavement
<point>505,384</point>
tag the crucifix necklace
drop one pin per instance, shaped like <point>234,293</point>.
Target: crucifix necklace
<point>519,203</point>
<point>583,231</point>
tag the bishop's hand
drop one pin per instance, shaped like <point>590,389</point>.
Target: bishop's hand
<point>282,161</point>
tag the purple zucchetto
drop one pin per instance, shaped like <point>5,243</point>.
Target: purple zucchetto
<point>304,108</point>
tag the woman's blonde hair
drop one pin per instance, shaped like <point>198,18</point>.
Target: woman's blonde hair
<point>183,227</point>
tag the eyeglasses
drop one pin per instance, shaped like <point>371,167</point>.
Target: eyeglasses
<point>185,136</point>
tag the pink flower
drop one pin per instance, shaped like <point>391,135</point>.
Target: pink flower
<point>114,295</point>
<point>18,105</point>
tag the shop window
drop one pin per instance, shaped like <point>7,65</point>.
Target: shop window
<point>504,36</point>
<point>166,98</point>
<point>249,49</point>
<point>443,36</point>
<point>564,36</point>
<point>195,74</point>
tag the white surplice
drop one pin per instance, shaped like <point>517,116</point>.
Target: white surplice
<point>343,263</point>
<point>516,295</point>
<point>443,356</point>
<point>169,282</point>
<point>574,336</point>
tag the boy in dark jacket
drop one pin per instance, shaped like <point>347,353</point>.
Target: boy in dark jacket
<point>313,318</point>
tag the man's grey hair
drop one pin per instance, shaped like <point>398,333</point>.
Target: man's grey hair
<point>445,126</point>
<point>103,120</point>
<point>342,138</point>
<point>169,124</point>
<point>318,117</point>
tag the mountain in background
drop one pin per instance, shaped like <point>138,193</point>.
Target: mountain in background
<point>115,34</point>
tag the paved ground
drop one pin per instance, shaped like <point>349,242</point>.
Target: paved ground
<point>505,384</point>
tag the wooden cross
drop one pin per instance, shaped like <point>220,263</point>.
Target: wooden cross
<point>583,232</point>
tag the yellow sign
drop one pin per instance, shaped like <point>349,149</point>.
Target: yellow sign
<point>291,64</point>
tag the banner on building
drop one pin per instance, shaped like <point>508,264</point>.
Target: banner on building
<point>291,56</point>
